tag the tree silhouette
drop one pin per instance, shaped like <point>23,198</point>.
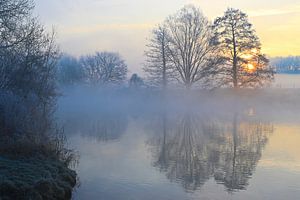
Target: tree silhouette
<point>104,68</point>
<point>192,53</point>
<point>243,63</point>
<point>136,82</point>
<point>158,67</point>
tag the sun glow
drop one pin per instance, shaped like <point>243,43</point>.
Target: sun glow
<point>249,58</point>
<point>250,67</point>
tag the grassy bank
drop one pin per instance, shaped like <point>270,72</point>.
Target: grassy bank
<point>35,178</point>
<point>35,168</point>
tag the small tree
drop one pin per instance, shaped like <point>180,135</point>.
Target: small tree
<point>244,64</point>
<point>191,52</point>
<point>135,81</point>
<point>104,68</point>
<point>158,66</point>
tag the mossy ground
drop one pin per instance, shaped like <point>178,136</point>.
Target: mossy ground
<point>35,178</point>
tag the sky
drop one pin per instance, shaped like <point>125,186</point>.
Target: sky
<point>123,26</point>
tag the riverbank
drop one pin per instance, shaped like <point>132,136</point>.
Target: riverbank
<point>35,178</point>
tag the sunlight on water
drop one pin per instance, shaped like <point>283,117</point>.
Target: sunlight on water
<point>283,150</point>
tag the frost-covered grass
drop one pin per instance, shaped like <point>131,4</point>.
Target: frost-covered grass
<point>35,177</point>
<point>30,169</point>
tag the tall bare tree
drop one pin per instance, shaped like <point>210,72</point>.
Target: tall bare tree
<point>245,65</point>
<point>158,66</point>
<point>104,68</point>
<point>190,48</point>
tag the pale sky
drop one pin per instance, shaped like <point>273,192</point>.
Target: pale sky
<point>86,26</point>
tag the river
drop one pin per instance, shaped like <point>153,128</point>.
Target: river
<point>151,150</point>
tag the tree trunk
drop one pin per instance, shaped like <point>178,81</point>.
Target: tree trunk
<point>234,66</point>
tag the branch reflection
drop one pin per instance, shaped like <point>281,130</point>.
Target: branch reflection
<point>193,149</point>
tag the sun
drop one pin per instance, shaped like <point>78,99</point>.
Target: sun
<point>250,67</point>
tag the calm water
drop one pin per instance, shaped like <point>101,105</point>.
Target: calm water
<point>243,151</point>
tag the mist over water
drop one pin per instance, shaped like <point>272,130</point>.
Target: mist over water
<point>186,124</point>
<point>218,144</point>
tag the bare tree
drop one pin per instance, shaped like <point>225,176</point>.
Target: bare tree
<point>34,70</point>
<point>27,52</point>
<point>28,57</point>
<point>104,68</point>
<point>245,65</point>
<point>190,48</point>
<point>158,66</point>
<point>27,65</point>
<point>14,16</point>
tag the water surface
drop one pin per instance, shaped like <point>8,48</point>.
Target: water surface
<point>219,150</point>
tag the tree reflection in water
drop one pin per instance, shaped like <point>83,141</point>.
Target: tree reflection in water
<point>107,127</point>
<point>102,126</point>
<point>192,150</point>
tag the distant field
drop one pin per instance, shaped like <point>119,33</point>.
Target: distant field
<point>287,81</point>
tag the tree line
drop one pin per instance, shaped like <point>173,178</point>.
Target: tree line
<point>186,50</point>
<point>101,68</point>
<point>290,64</point>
